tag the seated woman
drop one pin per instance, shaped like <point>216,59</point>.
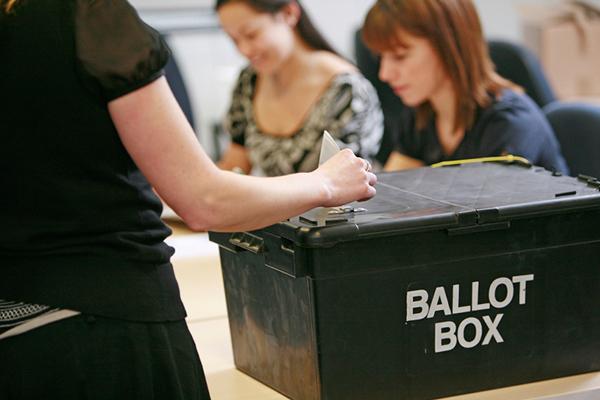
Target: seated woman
<point>434,57</point>
<point>295,87</point>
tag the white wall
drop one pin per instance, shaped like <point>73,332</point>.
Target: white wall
<point>210,63</point>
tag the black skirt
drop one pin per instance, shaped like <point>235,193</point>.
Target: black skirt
<point>87,357</point>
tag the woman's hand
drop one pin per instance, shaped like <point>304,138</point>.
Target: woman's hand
<point>397,162</point>
<point>346,178</point>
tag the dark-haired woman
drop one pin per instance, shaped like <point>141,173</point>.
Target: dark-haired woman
<point>435,58</point>
<point>294,88</point>
<point>89,303</point>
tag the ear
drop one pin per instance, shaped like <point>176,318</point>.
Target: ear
<point>290,13</point>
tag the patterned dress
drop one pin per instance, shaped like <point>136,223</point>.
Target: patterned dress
<point>348,108</point>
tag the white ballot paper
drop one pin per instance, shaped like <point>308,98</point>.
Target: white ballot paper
<point>328,148</point>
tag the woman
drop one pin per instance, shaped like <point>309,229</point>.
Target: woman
<point>90,305</point>
<point>434,57</point>
<point>295,87</point>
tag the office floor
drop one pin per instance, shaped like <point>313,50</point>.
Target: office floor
<point>198,271</point>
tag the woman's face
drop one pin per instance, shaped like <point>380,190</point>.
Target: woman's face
<point>414,71</point>
<point>265,39</point>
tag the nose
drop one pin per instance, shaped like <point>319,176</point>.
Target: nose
<point>386,70</point>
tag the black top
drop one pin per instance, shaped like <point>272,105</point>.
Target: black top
<point>81,225</point>
<point>512,124</point>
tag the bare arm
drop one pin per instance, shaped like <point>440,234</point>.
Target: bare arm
<point>397,161</point>
<point>156,134</point>
<point>235,156</point>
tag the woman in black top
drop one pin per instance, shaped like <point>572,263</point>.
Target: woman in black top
<point>88,127</point>
<point>434,57</point>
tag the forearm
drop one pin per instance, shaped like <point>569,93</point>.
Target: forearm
<point>238,202</point>
<point>397,161</point>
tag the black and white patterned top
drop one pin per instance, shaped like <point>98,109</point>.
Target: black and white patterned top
<point>17,317</point>
<point>14,313</point>
<point>349,109</point>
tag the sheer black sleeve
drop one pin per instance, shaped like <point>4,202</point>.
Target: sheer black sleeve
<point>117,52</point>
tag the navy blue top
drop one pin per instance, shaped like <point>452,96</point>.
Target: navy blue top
<point>512,124</point>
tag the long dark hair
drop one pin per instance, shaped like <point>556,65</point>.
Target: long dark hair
<point>7,5</point>
<point>307,30</point>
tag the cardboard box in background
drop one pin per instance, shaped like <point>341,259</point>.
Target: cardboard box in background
<point>566,38</point>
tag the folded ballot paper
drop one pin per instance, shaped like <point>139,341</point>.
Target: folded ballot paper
<point>328,148</point>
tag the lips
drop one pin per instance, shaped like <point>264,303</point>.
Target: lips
<point>399,89</point>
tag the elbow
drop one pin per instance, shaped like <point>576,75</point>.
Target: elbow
<point>203,207</point>
<point>199,222</point>
<point>196,225</point>
<point>204,217</point>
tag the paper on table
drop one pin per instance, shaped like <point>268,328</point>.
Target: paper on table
<point>328,148</point>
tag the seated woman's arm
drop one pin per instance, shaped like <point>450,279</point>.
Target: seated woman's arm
<point>236,156</point>
<point>156,134</point>
<point>398,161</point>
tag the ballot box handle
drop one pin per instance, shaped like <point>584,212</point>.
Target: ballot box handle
<point>247,241</point>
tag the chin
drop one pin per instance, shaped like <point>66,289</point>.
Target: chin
<point>263,68</point>
<point>411,102</point>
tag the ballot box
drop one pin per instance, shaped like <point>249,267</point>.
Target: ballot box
<point>451,280</point>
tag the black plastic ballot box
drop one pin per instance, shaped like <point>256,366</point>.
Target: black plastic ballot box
<point>451,280</point>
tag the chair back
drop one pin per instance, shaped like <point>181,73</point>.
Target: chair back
<point>177,84</point>
<point>521,66</point>
<point>577,128</point>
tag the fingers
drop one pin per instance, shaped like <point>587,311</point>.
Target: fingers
<point>371,192</point>
<point>372,178</point>
<point>350,177</point>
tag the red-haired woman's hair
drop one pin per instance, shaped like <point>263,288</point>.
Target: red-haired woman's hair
<point>453,29</point>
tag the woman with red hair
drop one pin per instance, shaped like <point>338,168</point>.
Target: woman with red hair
<point>435,58</point>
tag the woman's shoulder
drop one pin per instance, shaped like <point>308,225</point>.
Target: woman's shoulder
<point>523,127</point>
<point>343,75</point>
<point>514,107</point>
<point>245,84</point>
<point>516,116</point>
<point>331,68</point>
<point>331,63</point>
<point>510,100</point>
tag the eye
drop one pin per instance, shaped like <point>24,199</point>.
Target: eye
<point>400,55</point>
<point>251,34</point>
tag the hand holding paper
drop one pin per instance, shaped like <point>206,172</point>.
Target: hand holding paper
<point>342,172</point>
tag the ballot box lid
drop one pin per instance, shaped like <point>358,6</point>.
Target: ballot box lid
<point>459,198</point>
